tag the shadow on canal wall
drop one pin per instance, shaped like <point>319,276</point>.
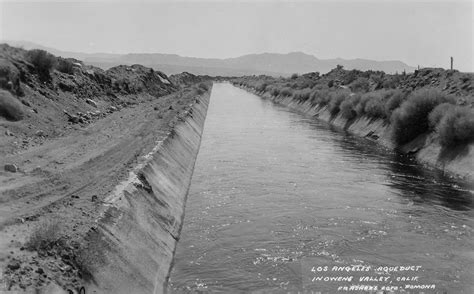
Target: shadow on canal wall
<point>425,148</point>
<point>136,237</point>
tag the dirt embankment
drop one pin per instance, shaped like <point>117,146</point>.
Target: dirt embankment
<point>186,79</point>
<point>81,137</point>
<point>428,114</point>
<point>58,95</point>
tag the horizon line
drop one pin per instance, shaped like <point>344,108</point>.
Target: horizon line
<point>184,56</point>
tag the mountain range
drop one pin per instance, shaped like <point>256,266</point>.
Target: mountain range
<point>274,64</point>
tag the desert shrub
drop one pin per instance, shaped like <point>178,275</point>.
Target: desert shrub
<point>456,127</point>
<point>308,84</point>
<point>203,86</point>
<point>360,106</point>
<point>324,98</point>
<point>351,76</point>
<point>261,87</point>
<point>318,87</point>
<point>391,82</point>
<point>286,92</point>
<point>375,107</point>
<point>335,103</point>
<point>438,113</point>
<point>465,78</point>
<point>321,98</point>
<point>275,92</point>
<point>65,66</point>
<point>44,236</point>
<point>360,85</point>
<point>10,107</point>
<point>411,118</point>
<point>347,107</point>
<point>303,95</point>
<point>10,78</point>
<point>394,102</point>
<point>377,80</point>
<point>43,62</point>
<point>331,83</point>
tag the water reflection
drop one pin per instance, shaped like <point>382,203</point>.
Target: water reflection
<point>422,185</point>
<point>419,184</point>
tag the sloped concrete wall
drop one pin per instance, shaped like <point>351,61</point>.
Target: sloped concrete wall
<point>136,237</point>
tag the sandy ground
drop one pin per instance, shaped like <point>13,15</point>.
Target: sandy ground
<point>65,180</point>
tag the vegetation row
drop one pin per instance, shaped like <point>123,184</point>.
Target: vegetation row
<point>409,113</point>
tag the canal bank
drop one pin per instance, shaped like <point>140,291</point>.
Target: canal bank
<point>274,191</point>
<point>132,246</point>
<point>426,149</point>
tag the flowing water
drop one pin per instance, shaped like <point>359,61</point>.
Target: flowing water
<point>275,193</point>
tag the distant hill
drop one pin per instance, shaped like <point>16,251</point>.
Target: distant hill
<point>266,63</point>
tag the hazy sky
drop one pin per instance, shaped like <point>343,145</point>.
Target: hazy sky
<point>425,33</point>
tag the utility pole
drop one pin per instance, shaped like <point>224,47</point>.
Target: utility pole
<point>452,63</point>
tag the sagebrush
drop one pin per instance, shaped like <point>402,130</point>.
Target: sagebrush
<point>411,118</point>
<point>44,236</point>
<point>456,127</point>
<point>10,107</point>
<point>43,62</point>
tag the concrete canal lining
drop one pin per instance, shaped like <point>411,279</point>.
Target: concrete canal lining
<point>132,247</point>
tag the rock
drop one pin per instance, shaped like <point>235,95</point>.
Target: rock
<point>94,198</point>
<point>171,107</point>
<point>40,133</point>
<point>40,270</point>
<point>156,108</point>
<point>14,265</point>
<point>8,133</point>
<point>74,119</point>
<point>26,103</point>
<point>91,102</point>
<point>65,256</point>
<point>11,168</point>
<point>462,101</point>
